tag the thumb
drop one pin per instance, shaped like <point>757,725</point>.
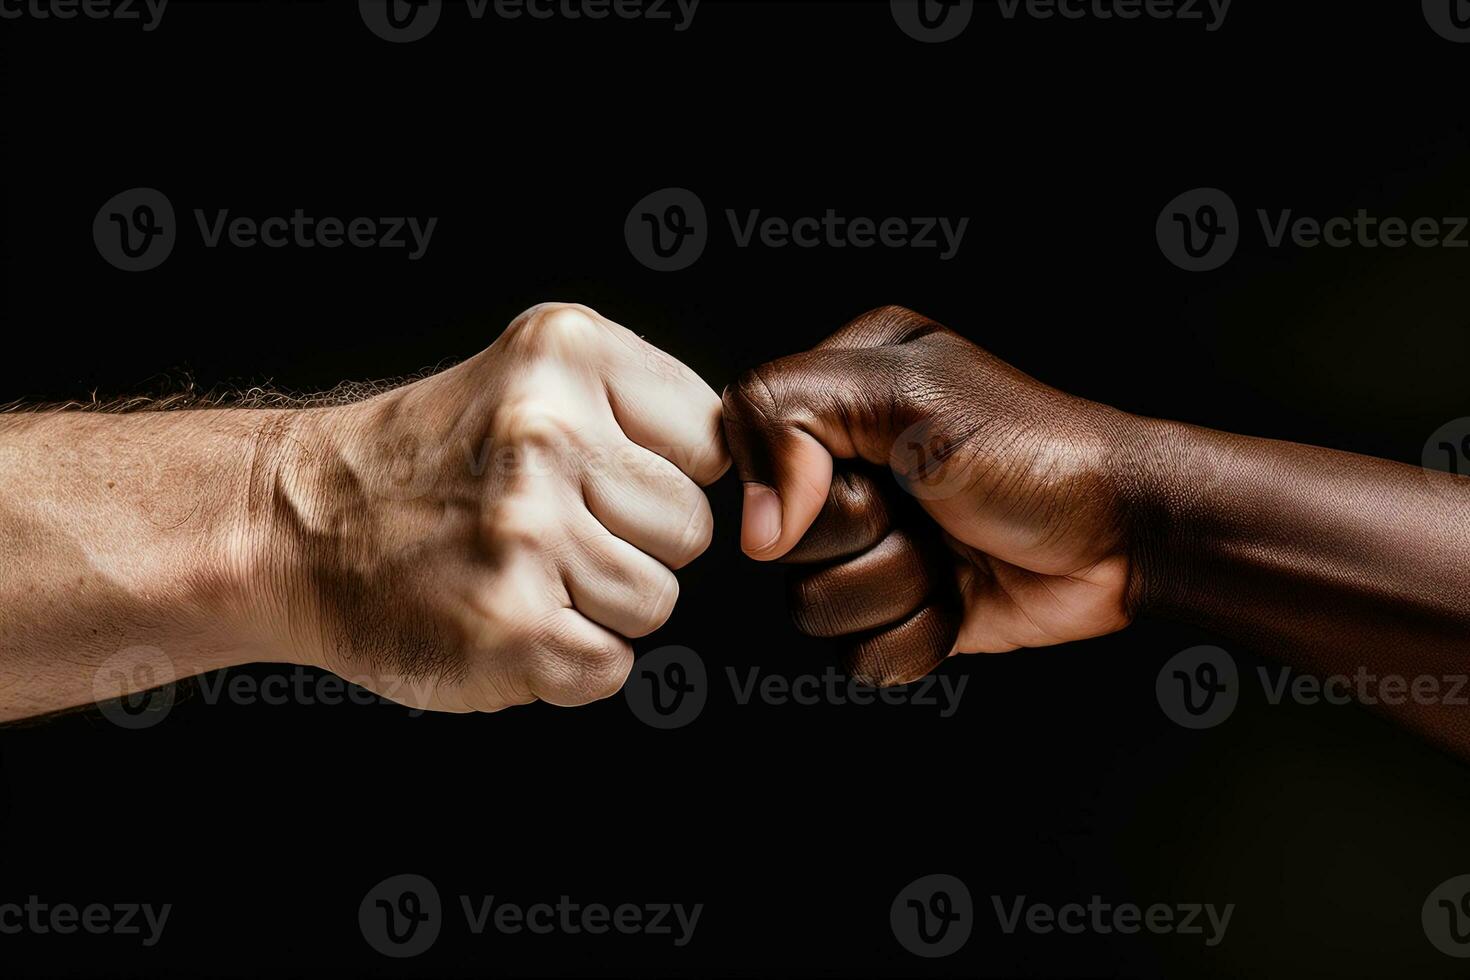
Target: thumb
<point>786,420</point>
<point>785,467</point>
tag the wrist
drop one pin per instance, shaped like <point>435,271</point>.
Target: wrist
<point>287,508</point>
<point>1158,477</point>
<point>327,486</point>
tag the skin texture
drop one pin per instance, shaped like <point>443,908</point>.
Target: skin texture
<point>935,500</point>
<point>491,535</point>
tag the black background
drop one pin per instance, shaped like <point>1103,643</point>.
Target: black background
<point>1059,777</point>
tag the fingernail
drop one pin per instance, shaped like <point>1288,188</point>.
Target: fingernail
<point>761,525</point>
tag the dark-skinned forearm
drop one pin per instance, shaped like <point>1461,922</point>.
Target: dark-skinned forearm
<point>1331,561</point>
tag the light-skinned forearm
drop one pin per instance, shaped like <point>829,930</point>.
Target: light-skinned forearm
<point>126,531</point>
<point>487,536</point>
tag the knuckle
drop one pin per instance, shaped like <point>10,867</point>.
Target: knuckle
<point>890,312</point>
<point>857,502</point>
<point>511,609</point>
<point>532,422</point>
<point>559,325</point>
<point>519,522</point>
<point>711,458</point>
<point>607,673</point>
<point>572,673</point>
<point>812,606</point>
<point>698,532</point>
<point>486,692</point>
<point>889,326</point>
<point>854,519</point>
<point>749,400</point>
<point>702,462</point>
<point>874,521</point>
<point>894,321</point>
<point>869,663</point>
<point>656,604</point>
